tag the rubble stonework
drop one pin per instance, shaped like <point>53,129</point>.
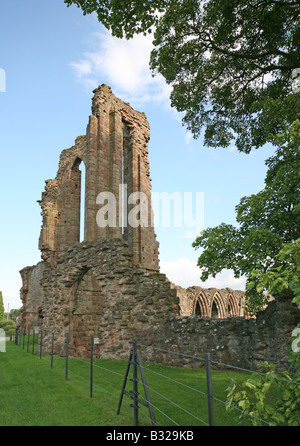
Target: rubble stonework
<point>110,285</point>
<point>211,302</point>
<point>115,152</point>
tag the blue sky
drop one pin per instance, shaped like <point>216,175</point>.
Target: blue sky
<point>53,57</point>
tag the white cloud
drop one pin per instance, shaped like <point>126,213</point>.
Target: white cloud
<point>186,273</point>
<point>188,139</point>
<point>123,65</point>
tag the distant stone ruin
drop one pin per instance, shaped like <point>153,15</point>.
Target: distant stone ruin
<point>109,284</point>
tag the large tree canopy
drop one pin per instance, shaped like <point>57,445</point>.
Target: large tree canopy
<point>234,68</point>
<point>232,63</point>
<point>124,17</point>
<point>266,244</point>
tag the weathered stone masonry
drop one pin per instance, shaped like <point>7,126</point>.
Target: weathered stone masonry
<point>109,285</point>
<point>114,152</point>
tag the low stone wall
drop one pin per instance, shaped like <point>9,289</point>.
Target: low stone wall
<point>96,289</point>
<point>234,341</point>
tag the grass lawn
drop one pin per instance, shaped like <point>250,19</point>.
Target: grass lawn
<point>31,394</point>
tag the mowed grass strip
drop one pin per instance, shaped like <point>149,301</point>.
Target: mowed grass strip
<point>31,394</point>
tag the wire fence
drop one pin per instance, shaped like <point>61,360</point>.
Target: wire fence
<point>160,395</point>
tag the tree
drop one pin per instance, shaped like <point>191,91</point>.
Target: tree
<point>1,307</point>
<point>232,63</point>
<point>123,17</point>
<point>255,397</point>
<point>284,276</point>
<point>233,66</point>
<point>264,245</point>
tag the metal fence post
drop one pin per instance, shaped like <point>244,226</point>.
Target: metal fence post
<point>41,345</point>
<point>33,342</point>
<point>209,389</point>
<point>28,340</point>
<point>135,384</point>
<point>67,354</point>
<point>16,335</point>
<point>91,377</point>
<point>52,351</point>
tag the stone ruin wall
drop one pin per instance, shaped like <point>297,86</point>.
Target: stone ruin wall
<point>109,285</point>
<point>211,302</point>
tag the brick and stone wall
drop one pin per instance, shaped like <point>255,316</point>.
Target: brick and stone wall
<point>109,285</point>
<point>211,302</point>
<point>96,289</point>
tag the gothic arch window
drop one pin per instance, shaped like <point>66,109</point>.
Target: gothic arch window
<point>74,202</point>
<point>232,308</point>
<point>214,310</point>
<point>82,203</point>
<point>218,309</point>
<point>201,305</point>
<point>198,309</point>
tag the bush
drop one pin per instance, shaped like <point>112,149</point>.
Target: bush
<point>8,326</point>
<point>270,397</point>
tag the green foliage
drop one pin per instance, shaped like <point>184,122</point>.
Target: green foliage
<point>265,246</point>
<point>8,326</point>
<point>268,400</point>
<point>1,306</point>
<point>283,277</point>
<point>14,313</point>
<point>294,351</point>
<point>122,17</point>
<point>231,64</point>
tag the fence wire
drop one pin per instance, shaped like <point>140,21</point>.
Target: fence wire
<point>105,376</point>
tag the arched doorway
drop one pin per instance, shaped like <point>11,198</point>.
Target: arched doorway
<point>87,305</point>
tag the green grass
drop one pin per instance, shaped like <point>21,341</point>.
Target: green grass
<point>31,394</point>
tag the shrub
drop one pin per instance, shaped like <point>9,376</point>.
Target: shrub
<point>8,326</point>
<point>268,397</point>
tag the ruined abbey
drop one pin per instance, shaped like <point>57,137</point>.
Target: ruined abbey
<point>109,284</point>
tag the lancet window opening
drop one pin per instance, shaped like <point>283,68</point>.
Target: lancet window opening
<point>78,173</point>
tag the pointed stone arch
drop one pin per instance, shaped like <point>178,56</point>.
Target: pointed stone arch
<point>218,309</point>
<point>201,306</point>
<point>232,306</point>
<point>61,202</point>
<point>86,304</point>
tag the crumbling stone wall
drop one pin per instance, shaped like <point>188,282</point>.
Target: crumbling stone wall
<point>115,152</point>
<point>236,341</point>
<point>211,302</point>
<point>32,295</point>
<point>77,284</point>
<point>109,285</point>
<point>96,289</point>
<point>60,203</point>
